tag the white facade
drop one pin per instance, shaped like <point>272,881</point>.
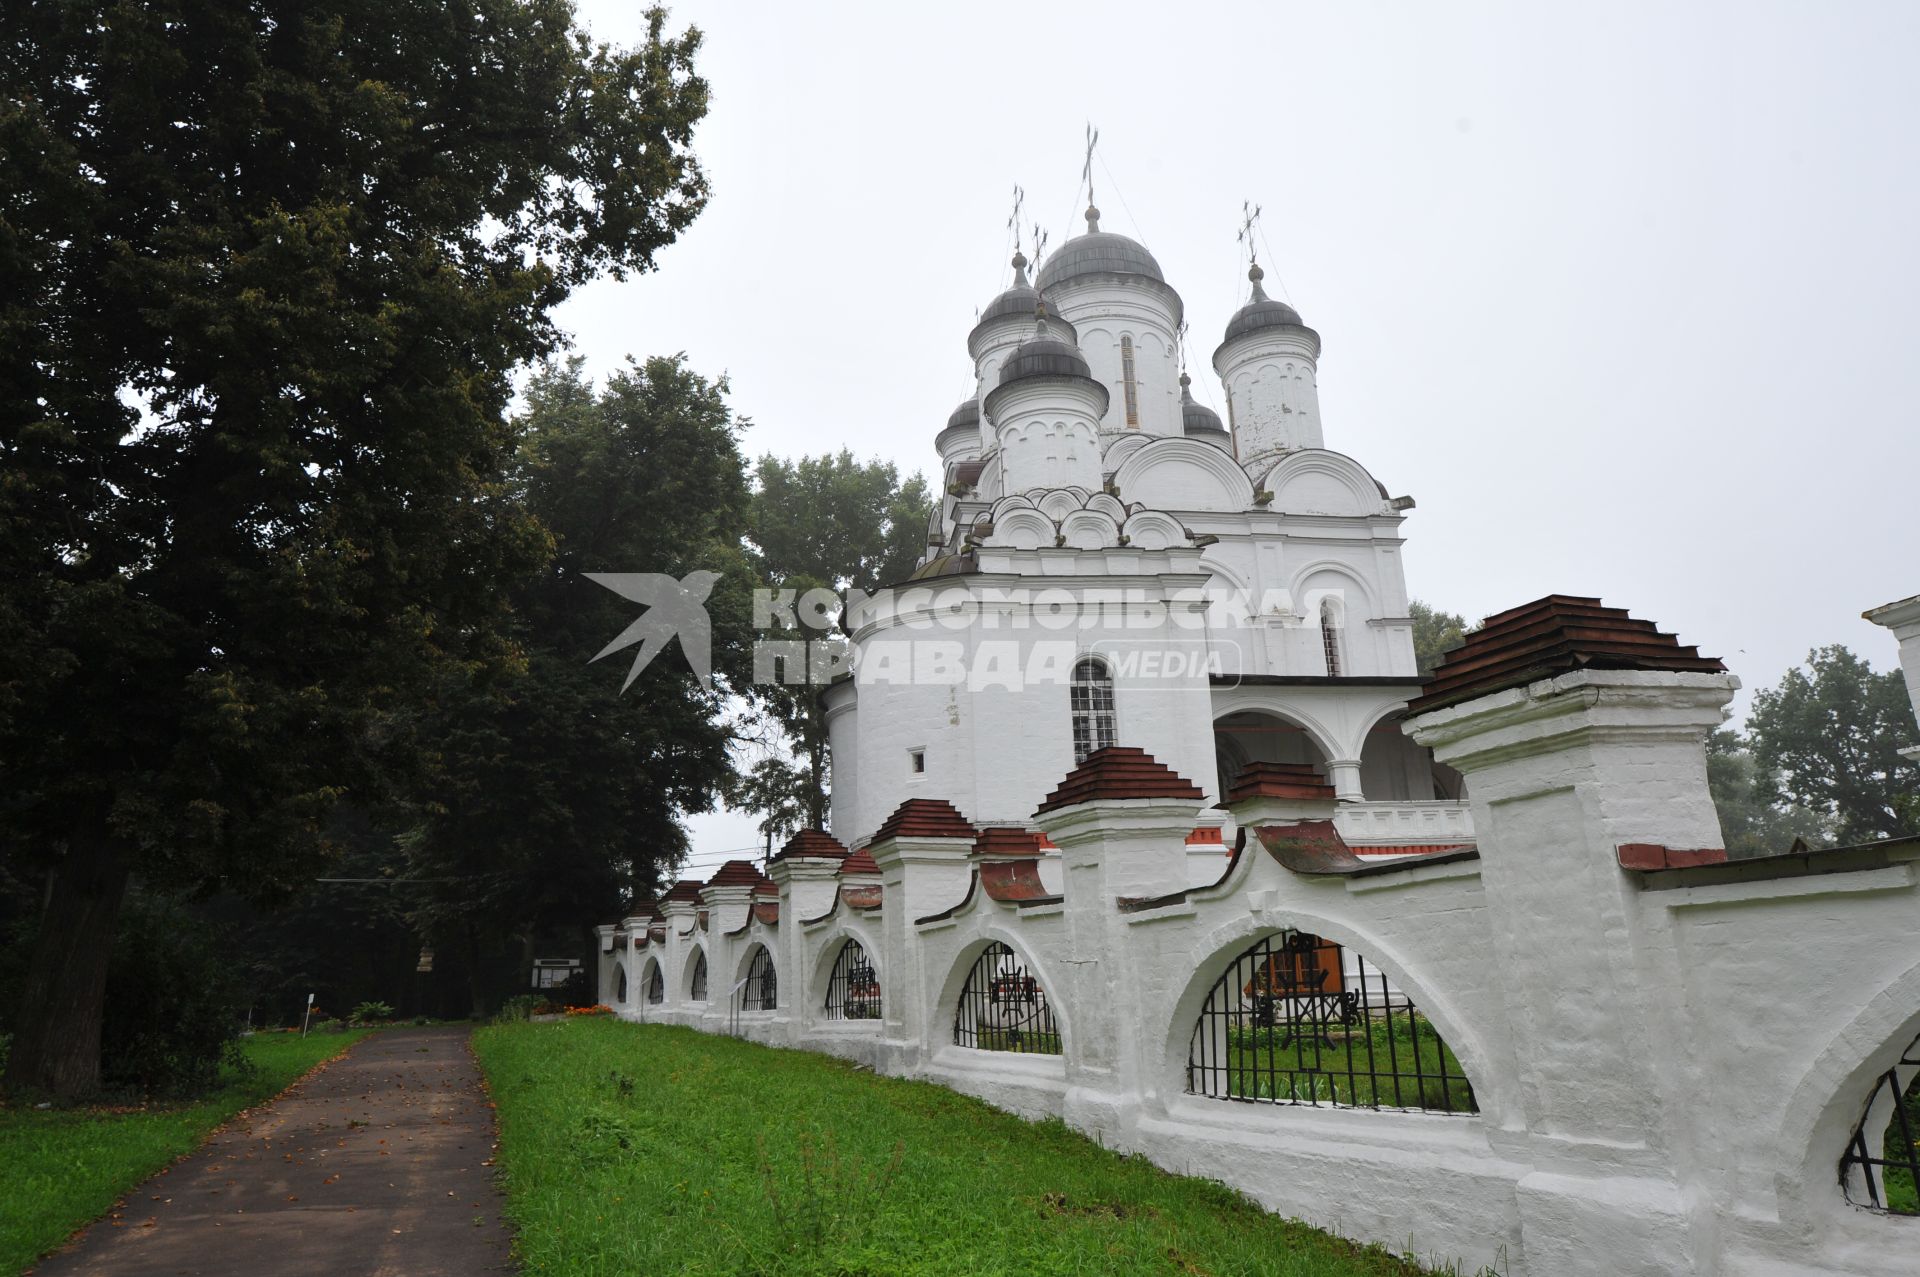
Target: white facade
<point>1276,568</point>
<point>1903,618</point>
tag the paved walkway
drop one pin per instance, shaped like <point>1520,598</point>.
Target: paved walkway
<point>379,1164</point>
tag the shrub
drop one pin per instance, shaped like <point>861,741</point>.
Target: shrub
<point>371,1013</point>
<point>175,1004</point>
<point>519,1007</point>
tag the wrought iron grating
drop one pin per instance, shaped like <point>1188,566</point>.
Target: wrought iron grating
<point>1888,1180</point>
<point>1004,1008</point>
<point>853,988</point>
<point>1296,1019</point>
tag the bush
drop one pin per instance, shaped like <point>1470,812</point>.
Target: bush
<point>519,1007</point>
<point>371,1013</point>
<point>176,1004</point>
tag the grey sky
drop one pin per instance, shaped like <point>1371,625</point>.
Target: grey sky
<point>1622,295</point>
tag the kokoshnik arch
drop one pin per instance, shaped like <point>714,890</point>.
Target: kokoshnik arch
<point>1454,963</point>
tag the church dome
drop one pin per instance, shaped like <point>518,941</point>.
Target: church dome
<point>967,414</point>
<point>1044,355</point>
<point>1016,303</point>
<point>1199,419</point>
<point>1261,312</point>
<point>1098,252</point>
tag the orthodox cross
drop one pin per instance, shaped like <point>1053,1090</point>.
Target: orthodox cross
<point>1250,223</point>
<point>1013,222</point>
<point>1086,169</point>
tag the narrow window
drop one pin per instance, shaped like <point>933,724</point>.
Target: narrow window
<point>1127,383</point>
<point>917,759</point>
<point>1330,637</point>
<point>697,990</point>
<point>1092,700</point>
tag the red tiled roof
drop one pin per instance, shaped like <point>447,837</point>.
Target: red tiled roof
<point>925,818</point>
<point>1551,636</point>
<point>736,873</point>
<point>687,890</point>
<point>812,842</point>
<point>642,908</point>
<point>861,897</point>
<point>1119,771</point>
<point>768,914</point>
<point>1013,880</point>
<point>765,887</point>
<point>1650,856</point>
<point>1003,840</point>
<point>860,862</point>
<point>1280,780</point>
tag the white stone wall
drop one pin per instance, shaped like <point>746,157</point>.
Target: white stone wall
<point>1667,1065</point>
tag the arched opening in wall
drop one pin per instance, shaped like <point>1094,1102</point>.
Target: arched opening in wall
<point>1881,1168</point>
<point>1261,736</point>
<point>1004,1008</point>
<point>853,988</point>
<point>656,984</point>
<point>620,984</point>
<point>760,991</point>
<point>1393,768</point>
<point>1091,698</point>
<point>697,980</point>
<point>1296,1019</point>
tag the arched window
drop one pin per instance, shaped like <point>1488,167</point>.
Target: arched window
<point>760,992</point>
<point>656,985</point>
<point>1003,1008</point>
<point>1092,699</point>
<point>697,987</point>
<point>853,990</point>
<point>1127,385</point>
<point>1298,1020</point>
<point>620,988</point>
<point>1330,635</point>
<point>1881,1167</point>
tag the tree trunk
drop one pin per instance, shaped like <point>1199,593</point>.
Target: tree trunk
<point>56,1042</point>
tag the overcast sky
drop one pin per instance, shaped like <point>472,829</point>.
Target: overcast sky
<point>1623,296</point>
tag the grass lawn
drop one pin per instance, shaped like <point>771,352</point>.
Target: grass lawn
<point>62,1168</point>
<point>648,1149</point>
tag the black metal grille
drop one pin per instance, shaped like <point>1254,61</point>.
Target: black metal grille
<point>620,993</point>
<point>697,989</point>
<point>761,992</point>
<point>1003,1008</point>
<point>1298,1020</point>
<point>853,990</point>
<point>656,985</point>
<point>1890,1180</point>
<point>1091,694</point>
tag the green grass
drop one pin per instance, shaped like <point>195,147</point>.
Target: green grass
<point>649,1149</point>
<point>1374,1065</point>
<point>61,1168</point>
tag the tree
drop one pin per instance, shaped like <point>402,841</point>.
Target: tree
<point>1435,633</point>
<point>556,794</point>
<point>1828,737</point>
<point>832,523</point>
<point>264,270</point>
<point>1753,822</point>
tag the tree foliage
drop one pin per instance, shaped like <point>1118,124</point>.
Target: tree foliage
<point>1754,820</point>
<point>265,269</point>
<point>1828,737</point>
<point>1435,633</point>
<point>555,795</point>
<point>832,523</point>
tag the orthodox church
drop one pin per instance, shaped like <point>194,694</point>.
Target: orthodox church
<point>1112,563</point>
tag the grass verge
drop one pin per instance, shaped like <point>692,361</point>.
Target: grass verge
<point>648,1149</point>
<point>61,1168</point>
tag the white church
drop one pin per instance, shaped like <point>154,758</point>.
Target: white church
<point>1090,501</point>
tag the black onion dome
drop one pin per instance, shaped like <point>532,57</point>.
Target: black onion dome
<point>1197,417</point>
<point>967,414</point>
<point>1017,302</point>
<point>1261,312</point>
<point>1044,356</point>
<point>1098,252</point>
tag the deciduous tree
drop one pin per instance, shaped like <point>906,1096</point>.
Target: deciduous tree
<point>265,268</point>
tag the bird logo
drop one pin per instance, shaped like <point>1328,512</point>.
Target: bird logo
<point>674,608</point>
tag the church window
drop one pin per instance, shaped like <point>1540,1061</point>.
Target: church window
<point>917,761</point>
<point>1330,636</point>
<point>1092,699</point>
<point>1127,384</point>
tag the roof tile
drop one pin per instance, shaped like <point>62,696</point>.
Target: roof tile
<point>1116,772</point>
<point>1280,780</point>
<point>925,818</point>
<point>812,842</point>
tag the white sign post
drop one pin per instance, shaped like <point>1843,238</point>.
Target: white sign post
<point>307,1015</point>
